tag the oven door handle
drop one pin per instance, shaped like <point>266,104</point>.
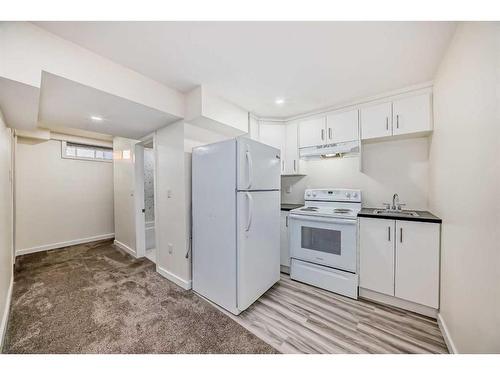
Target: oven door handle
<point>323,219</point>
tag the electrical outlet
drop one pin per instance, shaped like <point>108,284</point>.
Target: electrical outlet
<point>169,193</point>
<point>170,248</point>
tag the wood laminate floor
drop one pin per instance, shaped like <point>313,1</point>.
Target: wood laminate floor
<point>298,318</point>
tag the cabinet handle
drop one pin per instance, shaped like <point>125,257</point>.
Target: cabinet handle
<point>387,123</point>
<point>401,235</point>
<point>322,134</point>
<point>294,165</point>
<point>389,234</point>
<point>330,133</point>
<point>397,121</point>
<point>286,224</point>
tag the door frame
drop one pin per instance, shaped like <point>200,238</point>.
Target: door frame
<point>140,221</point>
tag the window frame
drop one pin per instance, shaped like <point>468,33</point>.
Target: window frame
<point>65,144</point>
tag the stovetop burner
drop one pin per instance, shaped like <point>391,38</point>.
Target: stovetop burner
<point>309,209</point>
<point>342,211</point>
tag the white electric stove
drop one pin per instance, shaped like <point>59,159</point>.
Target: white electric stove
<point>323,240</point>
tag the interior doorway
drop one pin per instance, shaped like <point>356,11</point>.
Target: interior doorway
<point>145,199</point>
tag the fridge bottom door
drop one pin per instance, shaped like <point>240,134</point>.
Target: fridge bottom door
<point>258,244</point>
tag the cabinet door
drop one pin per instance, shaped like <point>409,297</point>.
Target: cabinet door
<point>312,132</point>
<point>376,121</point>
<point>273,134</point>
<point>284,250</point>
<point>342,127</point>
<point>292,149</point>
<point>417,262</point>
<point>376,255</point>
<point>411,115</point>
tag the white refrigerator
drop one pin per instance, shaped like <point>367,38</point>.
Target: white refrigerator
<point>236,221</point>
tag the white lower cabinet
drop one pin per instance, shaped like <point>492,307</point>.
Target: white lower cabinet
<point>417,262</point>
<point>376,255</point>
<point>400,259</point>
<point>284,249</point>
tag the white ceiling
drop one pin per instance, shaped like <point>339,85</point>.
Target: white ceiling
<point>19,104</point>
<point>67,103</point>
<point>310,64</point>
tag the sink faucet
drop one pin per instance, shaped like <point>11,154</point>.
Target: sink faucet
<point>395,206</point>
<point>395,202</point>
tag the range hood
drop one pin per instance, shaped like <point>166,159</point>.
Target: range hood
<point>331,150</point>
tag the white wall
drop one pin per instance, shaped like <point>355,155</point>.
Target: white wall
<point>124,189</point>
<point>58,200</point>
<point>389,167</point>
<point>464,186</point>
<point>171,205</point>
<point>6,274</point>
<point>28,49</point>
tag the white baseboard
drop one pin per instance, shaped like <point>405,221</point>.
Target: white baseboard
<point>186,284</point>
<point>58,245</point>
<point>5,315</point>
<point>446,335</point>
<point>126,248</point>
<point>398,302</point>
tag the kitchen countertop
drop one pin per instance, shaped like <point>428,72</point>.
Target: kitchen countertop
<point>290,206</point>
<point>424,216</point>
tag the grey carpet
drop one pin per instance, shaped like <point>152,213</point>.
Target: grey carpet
<point>94,298</point>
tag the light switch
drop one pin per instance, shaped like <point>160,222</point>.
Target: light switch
<point>288,189</point>
<point>170,248</point>
<point>169,193</point>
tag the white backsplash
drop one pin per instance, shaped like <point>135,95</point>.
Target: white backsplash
<point>389,167</point>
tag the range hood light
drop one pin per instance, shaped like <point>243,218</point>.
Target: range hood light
<point>330,156</point>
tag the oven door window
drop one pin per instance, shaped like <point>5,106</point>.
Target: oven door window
<point>320,239</point>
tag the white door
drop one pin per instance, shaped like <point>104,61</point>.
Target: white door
<point>292,149</point>
<point>376,121</point>
<point>274,134</point>
<point>284,251</point>
<point>258,244</point>
<point>342,126</point>
<point>312,132</point>
<point>258,166</point>
<point>411,115</point>
<point>376,255</point>
<point>417,262</point>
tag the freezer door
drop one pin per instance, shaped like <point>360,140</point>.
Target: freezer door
<point>258,166</point>
<point>258,244</point>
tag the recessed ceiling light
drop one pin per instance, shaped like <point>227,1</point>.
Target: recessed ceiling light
<point>96,118</point>
<point>279,101</point>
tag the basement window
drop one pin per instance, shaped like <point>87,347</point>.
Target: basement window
<point>70,150</point>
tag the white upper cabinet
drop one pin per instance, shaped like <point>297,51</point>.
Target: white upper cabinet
<point>312,132</point>
<point>292,149</point>
<point>376,121</point>
<point>342,126</point>
<point>417,262</point>
<point>273,134</point>
<point>412,114</point>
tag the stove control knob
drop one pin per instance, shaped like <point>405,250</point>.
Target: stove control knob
<point>314,194</point>
<point>354,195</point>
<point>308,194</point>
<point>348,195</point>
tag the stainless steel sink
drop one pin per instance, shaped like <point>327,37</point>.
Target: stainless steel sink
<point>395,212</point>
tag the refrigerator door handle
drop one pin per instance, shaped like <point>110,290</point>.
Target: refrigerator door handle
<point>250,168</point>
<point>250,211</point>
